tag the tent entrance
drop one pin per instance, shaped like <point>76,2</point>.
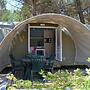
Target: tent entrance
<point>58,44</point>
<point>45,40</point>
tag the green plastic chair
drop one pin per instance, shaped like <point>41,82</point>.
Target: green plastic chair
<point>38,64</point>
<point>50,63</point>
<point>17,67</point>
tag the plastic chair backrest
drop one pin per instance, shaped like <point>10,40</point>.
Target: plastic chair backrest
<point>37,63</point>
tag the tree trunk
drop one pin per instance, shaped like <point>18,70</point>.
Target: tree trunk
<point>34,7</point>
<point>33,3</point>
<point>80,12</point>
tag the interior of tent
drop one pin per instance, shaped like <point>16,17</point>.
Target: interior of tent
<point>49,40</point>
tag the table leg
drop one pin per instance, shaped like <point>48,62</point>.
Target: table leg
<point>28,72</point>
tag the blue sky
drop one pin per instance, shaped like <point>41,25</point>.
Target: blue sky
<point>13,5</point>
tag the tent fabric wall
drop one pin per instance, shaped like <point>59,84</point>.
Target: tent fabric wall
<point>79,33</point>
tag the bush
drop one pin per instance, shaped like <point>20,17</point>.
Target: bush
<point>61,80</point>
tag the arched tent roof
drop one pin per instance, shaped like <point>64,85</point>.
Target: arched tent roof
<point>80,34</point>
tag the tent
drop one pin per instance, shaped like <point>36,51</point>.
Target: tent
<point>79,36</point>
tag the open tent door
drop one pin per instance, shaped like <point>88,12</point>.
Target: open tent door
<point>58,43</point>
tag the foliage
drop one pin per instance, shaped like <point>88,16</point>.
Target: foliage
<point>12,16</point>
<point>7,16</point>
<point>11,77</point>
<point>2,8</point>
<point>47,6</point>
<point>61,80</point>
<point>20,84</point>
<point>2,4</point>
<point>25,11</point>
<point>88,59</point>
<point>17,16</point>
<point>34,7</point>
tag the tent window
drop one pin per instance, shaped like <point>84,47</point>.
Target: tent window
<point>37,37</point>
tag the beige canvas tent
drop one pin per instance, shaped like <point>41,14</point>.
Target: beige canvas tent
<point>62,36</point>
